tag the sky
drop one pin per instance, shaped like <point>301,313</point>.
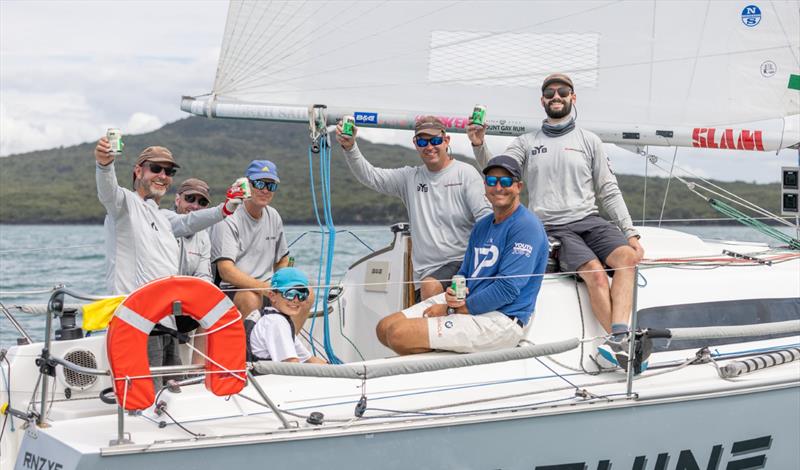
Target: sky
<point>71,69</point>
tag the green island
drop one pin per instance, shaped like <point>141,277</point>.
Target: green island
<point>57,186</point>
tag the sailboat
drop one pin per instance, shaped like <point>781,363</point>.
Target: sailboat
<point>723,386</point>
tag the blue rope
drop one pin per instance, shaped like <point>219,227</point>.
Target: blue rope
<point>321,247</point>
<point>325,172</point>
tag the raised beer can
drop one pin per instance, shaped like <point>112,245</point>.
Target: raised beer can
<point>114,137</point>
<point>348,124</point>
<point>459,286</point>
<point>244,185</point>
<point>478,115</point>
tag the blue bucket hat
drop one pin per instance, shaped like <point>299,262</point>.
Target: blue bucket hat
<point>286,278</point>
<point>261,169</point>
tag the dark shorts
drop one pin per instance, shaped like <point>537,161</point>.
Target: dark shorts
<point>444,274</point>
<point>585,240</point>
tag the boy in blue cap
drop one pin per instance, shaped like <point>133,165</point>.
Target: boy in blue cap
<point>273,329</point>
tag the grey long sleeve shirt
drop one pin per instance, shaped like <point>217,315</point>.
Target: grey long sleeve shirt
<point>567,176</point>
<point>442,206</point>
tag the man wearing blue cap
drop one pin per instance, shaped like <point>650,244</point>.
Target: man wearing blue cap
<point>504,262</point>
<point>250,244</point>
<point>273,329</point>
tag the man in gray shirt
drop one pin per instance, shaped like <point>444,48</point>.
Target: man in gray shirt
<point>443,196</point>
<point>250,245</point>
<point>568,173</point>
<point>195,260</point>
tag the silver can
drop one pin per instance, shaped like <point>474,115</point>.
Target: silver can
<point>114,137</point>
<point>459,286</point>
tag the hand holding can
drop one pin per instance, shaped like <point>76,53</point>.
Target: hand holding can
<point>459,286</point>
<point>478,117</point>
<point>114,137</point>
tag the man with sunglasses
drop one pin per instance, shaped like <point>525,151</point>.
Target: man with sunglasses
<point>250,245</point>
<point>442,196</point>
<point>504,263</point>
<point>192,195</point>
<point>272,330</point>
<point>569,175</point>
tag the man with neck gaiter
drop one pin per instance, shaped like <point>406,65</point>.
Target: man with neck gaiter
<point>568,175</point>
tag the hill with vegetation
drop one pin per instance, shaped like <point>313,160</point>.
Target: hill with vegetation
<point>57,185</point>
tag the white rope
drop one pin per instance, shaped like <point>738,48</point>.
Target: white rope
<point>7,293</point>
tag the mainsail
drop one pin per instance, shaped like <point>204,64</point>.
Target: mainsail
<point>704,74</point>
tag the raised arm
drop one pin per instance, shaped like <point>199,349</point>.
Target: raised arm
<point>389,181</point>
<point>110,194</point>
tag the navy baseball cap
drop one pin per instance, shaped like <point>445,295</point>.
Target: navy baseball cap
<point>286,278</point>
<point>262,169</point>
<point>506,162</point>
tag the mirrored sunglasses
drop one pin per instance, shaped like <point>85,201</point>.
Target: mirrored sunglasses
<point>563,91</point>
<point>191,198</point>
<point>299,294</point>
<point>156,168</point>
<point>505,181</point>
<point>270,186</point>
<point>423,142</point>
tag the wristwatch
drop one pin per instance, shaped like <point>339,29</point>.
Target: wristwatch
<point>451,311</point>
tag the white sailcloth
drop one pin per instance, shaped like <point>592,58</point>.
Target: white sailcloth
<point>677,63</point>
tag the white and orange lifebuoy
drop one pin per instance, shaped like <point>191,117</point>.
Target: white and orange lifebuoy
<point>126,341</point>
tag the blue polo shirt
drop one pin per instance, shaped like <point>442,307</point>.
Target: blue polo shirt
<point>517,247</point>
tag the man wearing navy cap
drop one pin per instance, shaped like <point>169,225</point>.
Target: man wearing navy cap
<point>569,175</point>
<point>250,244</point>
<point>504,264</point>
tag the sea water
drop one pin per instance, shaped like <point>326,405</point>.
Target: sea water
<point>34,258</point>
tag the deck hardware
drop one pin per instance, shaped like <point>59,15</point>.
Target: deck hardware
<point>315,418</point>
<point>734,254</point>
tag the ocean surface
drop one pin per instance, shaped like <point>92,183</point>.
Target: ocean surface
<point>34,258</point>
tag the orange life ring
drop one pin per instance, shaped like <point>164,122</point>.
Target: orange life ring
<point>126,341</point>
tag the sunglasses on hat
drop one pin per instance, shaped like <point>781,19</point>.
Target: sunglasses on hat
<point>505,181</point>
<point>191,198</point>
<point>423,142</point>
<point>270,186</point>
<point>156,168</point>
<point>563,91</point>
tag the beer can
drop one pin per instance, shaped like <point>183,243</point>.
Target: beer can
<point>244,185</point>
<point>348,125</point>
<point>478,115</point>
<point>291,261</point>
<point>459,286</point>
<point>114,137</point>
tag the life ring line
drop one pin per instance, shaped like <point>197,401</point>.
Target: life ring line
<point>135,317</point>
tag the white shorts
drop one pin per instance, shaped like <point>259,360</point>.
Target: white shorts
<point>467,333</point>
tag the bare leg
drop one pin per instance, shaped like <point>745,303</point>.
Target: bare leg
<point>429,287</point>
<point>409,336</point>
<point>247,301</point>
<point>385,324</point>
<point>599,294</point>
<point>623,259</point>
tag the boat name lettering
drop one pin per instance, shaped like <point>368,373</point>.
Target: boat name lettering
<point>738,139</point>
<point>450,121</point>
<point>37,462</point>
<point>741,456</point>
<point>366,118</point>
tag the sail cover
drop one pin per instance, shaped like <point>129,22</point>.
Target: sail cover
<point>645,62</point>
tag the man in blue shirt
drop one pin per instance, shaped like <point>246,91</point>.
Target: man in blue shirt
<point>504,263</point>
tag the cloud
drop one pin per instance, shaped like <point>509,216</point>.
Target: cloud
<point>139,123</point>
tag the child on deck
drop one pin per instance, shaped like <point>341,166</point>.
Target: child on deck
<point>274,335</point>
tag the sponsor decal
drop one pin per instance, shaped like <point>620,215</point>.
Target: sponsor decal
<point>570,149</point>
<point>522,249</point>
<point>37,462</point>
<point>751,16</point>
<point>739,139</point>
<point>366,118</point>
<point>747,454</point>
<point>448,324</point>
<point>538,149</point>
<point>768,69</point>
<point>422,187</point>
<point>453,184</point>
<point>485,257</point>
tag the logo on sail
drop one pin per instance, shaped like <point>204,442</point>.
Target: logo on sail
<point>768,69</point>
<point>751,16</point>
<point>738,139</point>
<point>366,118</point>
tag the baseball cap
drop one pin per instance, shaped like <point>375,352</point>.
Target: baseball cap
<point>286,278</point>
<point>156,154</point>
<point>506,162</point>
<point>194,186</point>
<point>260,169</point>
<point>430,125</point>
<point>557,78</point>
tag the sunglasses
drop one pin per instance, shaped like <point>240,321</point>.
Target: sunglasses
<point>505,181</point>
<point>563,92</point>
<point>190,198</point>
<point>270,186</point>
<point>299,294</point>
<point>168,170</point>
<point>423,142</point>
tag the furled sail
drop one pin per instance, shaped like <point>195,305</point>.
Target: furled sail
<point>653,65</point>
